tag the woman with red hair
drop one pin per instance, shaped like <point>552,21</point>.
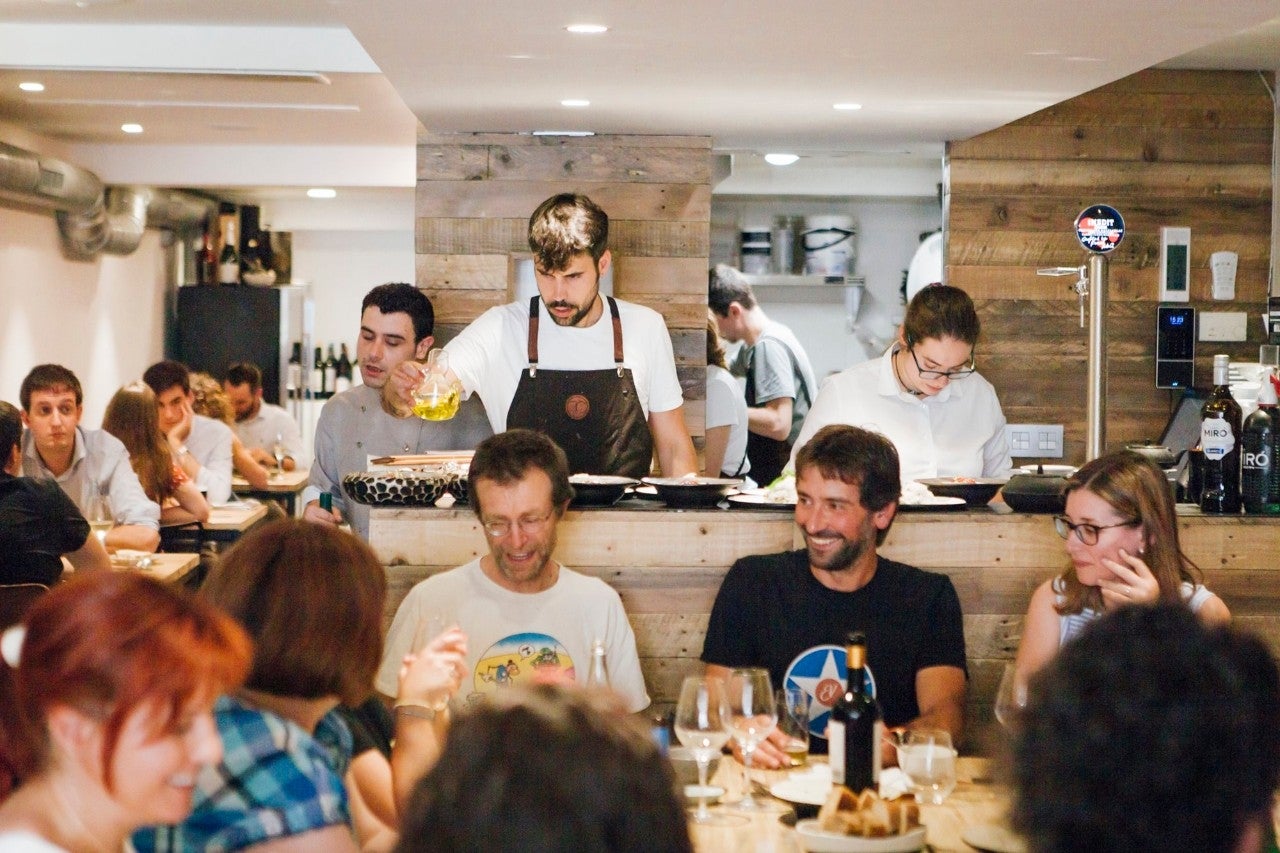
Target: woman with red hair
<point>107,689</point>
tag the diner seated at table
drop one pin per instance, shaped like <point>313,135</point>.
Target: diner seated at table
<point>105,695</point>
<point>1121,533</point>
<point>1151,731</point>
<point>526,616</point>
<point>282,783</point>
<point>258,424</point>
<point>131,417</point>
<point>85,463</point>
<point>790,612</point>
<point>39,524</point>
<point>212,402</point>
<point>201,445</point>
<point>544,769</point>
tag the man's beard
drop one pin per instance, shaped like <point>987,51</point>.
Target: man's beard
<point>848,555</point>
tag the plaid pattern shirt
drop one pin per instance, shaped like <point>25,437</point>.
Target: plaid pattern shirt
<point>274,781</point>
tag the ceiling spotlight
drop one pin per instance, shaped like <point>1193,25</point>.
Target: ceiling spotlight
<point>31,86</point>
<point>781,159</point>
<point>322,192</point>
<point>847,106</point>
<point>131,127</point>
<point>575,102</point>
<point>587,29</point>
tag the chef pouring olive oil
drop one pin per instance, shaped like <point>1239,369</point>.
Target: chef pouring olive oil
<point>594,373</point>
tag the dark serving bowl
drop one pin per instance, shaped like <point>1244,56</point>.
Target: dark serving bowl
<point>599,489</point>
<point>400,488</point>
<point>691,492</point>
<point>1035,493</point>
<point>976,491</point>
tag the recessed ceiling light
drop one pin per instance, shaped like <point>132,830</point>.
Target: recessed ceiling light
<point>781,159</point>
<point>131,127</point>
<point>31,86</point>
<point>587,29</point>
<point>575,102</point>
<point>847,106</point>
<point>322,192</point>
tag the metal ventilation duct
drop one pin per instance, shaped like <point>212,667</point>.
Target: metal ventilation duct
<point>92,218</point>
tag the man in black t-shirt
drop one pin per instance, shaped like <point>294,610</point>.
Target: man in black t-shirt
<point>791,612</point>
<point>38,522</point>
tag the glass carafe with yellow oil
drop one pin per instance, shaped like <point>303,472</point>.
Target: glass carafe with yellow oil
<point>437,396</point>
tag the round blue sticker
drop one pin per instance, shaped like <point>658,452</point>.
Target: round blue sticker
<point>1099,228</point>
<point>821,672</point>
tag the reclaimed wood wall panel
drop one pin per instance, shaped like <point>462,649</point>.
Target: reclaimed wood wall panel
<point>475,193</point>
<point>1183,148</point>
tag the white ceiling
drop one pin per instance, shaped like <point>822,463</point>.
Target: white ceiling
<point>754,76</point>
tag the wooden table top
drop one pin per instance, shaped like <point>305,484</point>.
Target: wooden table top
<point>171,567</point>
<point>975,801</point>
<point>237,517</point>
<point>285,481</point>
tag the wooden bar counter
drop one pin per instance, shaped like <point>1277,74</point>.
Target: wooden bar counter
<point>667,566</point>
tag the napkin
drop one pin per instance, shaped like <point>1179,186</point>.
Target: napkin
<point>893,783</point>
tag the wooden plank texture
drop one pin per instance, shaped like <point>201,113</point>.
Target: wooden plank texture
<point>514,199</point>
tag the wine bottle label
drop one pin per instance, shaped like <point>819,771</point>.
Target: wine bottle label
<point>1217,439</point>
<point>835,751</point>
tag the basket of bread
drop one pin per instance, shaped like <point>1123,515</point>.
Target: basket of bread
<point>863,823</point>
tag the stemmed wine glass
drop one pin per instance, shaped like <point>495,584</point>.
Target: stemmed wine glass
<point>754,716</point>
<point>1011,698</point>
<point>277,450</point>
<point>702,724</point>
<point>99,516</point>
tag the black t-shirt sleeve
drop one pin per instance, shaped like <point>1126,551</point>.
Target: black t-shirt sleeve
<point>726,642</point>
<point>945,645</point>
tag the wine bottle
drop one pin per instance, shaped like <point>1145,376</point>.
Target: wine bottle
<point>317,375</point>
<point>1220,429</point>
<point>344,370</point>
<point>598,675</point>
<point>330,373</point>
<point>293,383</point>
<point>854,732</point>
<point>229,260</point>
<point>1259,477</point>
<point>206,261</point>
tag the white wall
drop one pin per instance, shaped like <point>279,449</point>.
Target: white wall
<point>103,319</point>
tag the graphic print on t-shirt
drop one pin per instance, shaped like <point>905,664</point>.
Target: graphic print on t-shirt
<point>821,672</point>
<point>520,659</point>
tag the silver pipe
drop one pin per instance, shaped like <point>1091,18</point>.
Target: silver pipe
<point>1096,414</point>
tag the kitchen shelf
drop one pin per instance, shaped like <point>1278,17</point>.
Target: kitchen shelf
<point>826,282</point>
<point>847,290</point>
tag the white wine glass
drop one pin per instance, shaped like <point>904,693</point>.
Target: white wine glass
<point>754,716</point>
<point>929,760</point>
<point>1011,697</point>
<point>100,517</point>
<point>277,450</point>
<point>702,725</point>
<point>433,625</point>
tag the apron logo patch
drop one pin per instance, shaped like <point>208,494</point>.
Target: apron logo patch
<point>577,407</point>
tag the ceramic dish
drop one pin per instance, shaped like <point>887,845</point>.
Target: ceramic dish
<point>759,502</point>
<point>688,492</point>
<point>817,840</point>
<point>804,794</point>
<point>599,489</point>
<point>403,488</point>
<point>933,504</point>
<point>1056,470</point>
<point>976,491</point>
<point>646,493</point>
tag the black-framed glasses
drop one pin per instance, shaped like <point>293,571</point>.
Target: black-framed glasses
<point>1086,533</point>
<point>529,525</point>
<point>958,373</point>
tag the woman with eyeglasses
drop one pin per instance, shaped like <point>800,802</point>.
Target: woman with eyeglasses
<point>924,394</point>
<point>1122,537</point>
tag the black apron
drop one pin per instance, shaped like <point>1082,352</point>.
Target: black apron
<point>768,455</point>
<point>594,415</point>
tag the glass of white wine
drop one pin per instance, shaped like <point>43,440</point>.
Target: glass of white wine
<point>99,516</point>
<point>1011,697</point>
<point>702,725</point>
<point>277,450</point>
<point>754,716</point>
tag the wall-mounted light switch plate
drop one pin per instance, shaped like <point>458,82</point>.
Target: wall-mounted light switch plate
<point>1034,440</point>
<point>1223,325</point>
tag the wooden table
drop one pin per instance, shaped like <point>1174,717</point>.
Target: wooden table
<point>227,523</point>
<point>285,487</point>
<point>976,800</point>
<point>171,567</point>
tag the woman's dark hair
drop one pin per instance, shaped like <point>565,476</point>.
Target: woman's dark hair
<point>941,311</point>
<point>546,769</point>
<point>715,349</point>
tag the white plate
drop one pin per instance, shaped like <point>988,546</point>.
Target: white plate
<point>934,502</point>
<point>993,838</point>
<point>1056,470</point>
<point>806,791</point>
<point>759,501</point>
<point>816,840</point>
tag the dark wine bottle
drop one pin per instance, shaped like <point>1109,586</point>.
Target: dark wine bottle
<point>206,261</point>
<point>853,734</point>
<point>330,373</point>
<point>1259,474</point>
<point>317,375</point>
<point>344,371</point>
<point>1220,439</point>
<point>229,260</point>
<point>293,383</point>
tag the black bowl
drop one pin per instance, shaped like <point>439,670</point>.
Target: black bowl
<point>599,489</point>
<point>1035,493</point>
<point>692,492</point>
<point>397,488</point>
<point>976,491</point>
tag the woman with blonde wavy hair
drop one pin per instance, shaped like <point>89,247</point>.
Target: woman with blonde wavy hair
<point>1121,532</point>
<point>212,402</point>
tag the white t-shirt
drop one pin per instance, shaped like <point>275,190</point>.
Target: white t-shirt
<point>489,355</point>
<point>510,635</point>
<point>958,432</point>
<point>210,443</point>
<point>22,841</point>
<point>727,407</point>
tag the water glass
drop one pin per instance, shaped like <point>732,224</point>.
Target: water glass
<point>1011,698</point>
<point>793,721</point>
<point>754,718</point>
<point>702,725</point>
<point>433,625</point>
<point>100,517</point>
<point>929,760</point>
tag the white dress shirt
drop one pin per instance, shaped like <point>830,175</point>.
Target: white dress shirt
<point>210,444</point>
<point>99,463</point>
<point>261,431</point>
